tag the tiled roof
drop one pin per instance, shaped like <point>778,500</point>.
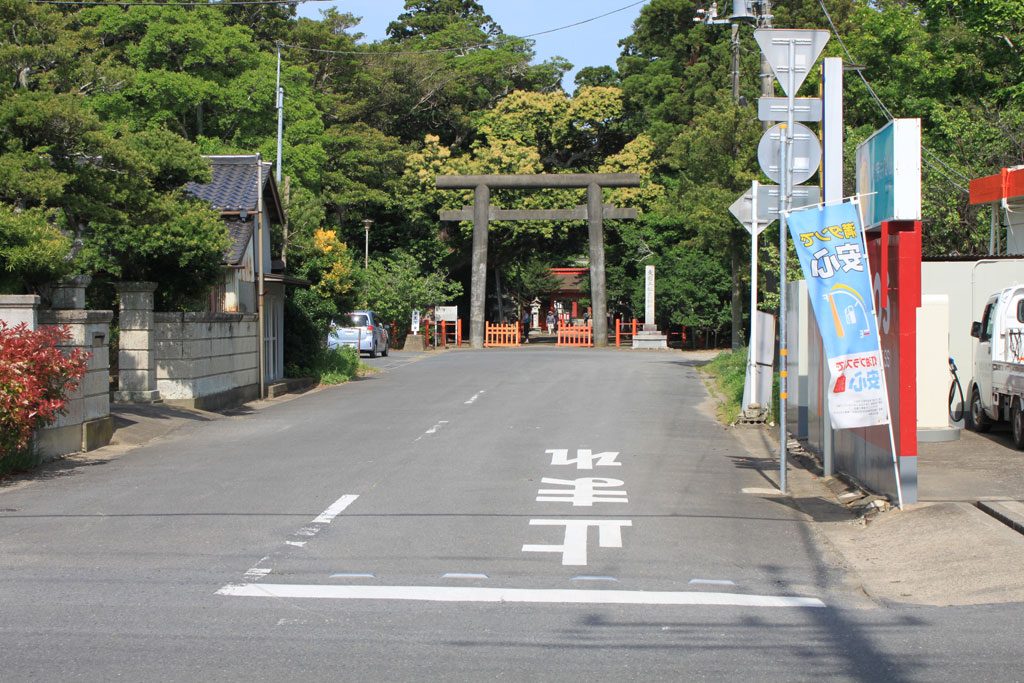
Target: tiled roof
<point>233,187</point>
<point>240,232</point>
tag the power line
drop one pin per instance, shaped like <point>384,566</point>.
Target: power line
<point>888,114</point>
<point>475,46</point>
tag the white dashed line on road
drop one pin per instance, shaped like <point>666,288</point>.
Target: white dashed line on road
<point>344,575</point>
<point>472,400</point>
<point>336,508</point>
<point>457,575</point>
<point>712,582</point>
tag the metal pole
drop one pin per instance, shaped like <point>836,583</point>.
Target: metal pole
<point>280,116</point>
<point>367,222</point>
<point>753,297</point>
<point>786,194</point>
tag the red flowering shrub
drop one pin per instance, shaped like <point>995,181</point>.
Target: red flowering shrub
<point>35,381</point>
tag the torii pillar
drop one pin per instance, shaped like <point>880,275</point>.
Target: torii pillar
<point>481,214</point>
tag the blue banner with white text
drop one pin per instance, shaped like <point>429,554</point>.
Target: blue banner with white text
<point>830,244</point>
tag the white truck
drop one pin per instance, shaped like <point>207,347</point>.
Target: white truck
<point>997,390</point>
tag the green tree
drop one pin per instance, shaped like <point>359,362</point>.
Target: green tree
<point>395,286</point>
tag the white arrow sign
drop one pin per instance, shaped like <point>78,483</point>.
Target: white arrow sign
<point>768,204</point>
<point>791,53</point>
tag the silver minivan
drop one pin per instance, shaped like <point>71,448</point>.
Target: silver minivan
<point>363,331</point>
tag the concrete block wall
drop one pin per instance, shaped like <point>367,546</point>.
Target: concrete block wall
<point>206,360</point>
<point>86,425</point>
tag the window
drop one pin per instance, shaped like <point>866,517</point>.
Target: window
<point>1020,311</point>
<point>986,324</point>
<point>359,320</point>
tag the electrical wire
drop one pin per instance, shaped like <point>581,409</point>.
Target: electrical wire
<point>474,46</point>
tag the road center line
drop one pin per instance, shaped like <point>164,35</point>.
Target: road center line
<point>472,400</point>
<point>525,595</point>
<point>335,509</point>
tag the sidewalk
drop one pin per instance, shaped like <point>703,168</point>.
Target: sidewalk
<point>944,551</point>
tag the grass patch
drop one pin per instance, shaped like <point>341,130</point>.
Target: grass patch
<point>728,372</point>
<point>331,366</point>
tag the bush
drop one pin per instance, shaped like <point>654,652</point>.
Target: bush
<point>729,369</point>
<point>35,381</point>
<point>329,366</point>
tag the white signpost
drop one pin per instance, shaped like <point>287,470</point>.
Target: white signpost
<point>415,322</point>
<point>791,54</point>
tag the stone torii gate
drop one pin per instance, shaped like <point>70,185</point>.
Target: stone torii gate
<point>481,213</point>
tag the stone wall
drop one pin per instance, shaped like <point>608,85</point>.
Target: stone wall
<point>206,360</point>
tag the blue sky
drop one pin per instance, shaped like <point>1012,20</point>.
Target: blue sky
<point>592,44</point>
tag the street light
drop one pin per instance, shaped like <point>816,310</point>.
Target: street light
<point>367,222</point>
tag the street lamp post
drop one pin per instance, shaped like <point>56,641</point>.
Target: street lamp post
<point>367,222</point>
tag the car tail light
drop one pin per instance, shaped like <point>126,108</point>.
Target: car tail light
<point>369,328</point>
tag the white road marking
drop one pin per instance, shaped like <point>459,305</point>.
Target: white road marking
<point>582,492</point>
<point>352,576</point>
<point>256,573</point>
<point>474,398</point>
<point>574,543</point>
<point>595,578</point>
<point>713,582</point>
<point>297,544</point>
<point>433,430</point>
<point>457,575</point>
<point>585,459</point>
<point>762,491</point>
<point>335,509</point>
<point>526,595</point>
<point>308,531</point>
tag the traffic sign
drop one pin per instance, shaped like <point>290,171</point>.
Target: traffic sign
<point>791,53</point>
<point>777,108</point>
<point>768,204</point>
<point>805,152</point>
<point>446,313</point>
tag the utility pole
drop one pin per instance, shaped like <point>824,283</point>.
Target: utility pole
<point>743,11</point>
<point>279,94</point>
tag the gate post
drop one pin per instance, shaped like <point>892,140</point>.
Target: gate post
<point>598,296</point>
<point>478,282</point>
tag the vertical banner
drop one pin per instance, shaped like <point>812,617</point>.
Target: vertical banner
<point>830,244</point>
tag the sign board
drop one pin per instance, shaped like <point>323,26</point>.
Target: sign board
<point>889,173</point>
<point>446,313</point>
<point>768,204</point>
<point>415,322</point>
<point>830,245</point>
<point>777,109</point>
<point>791,53</point>
<point>806,153</point>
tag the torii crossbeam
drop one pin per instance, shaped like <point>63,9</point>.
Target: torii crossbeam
<point>482,213</point>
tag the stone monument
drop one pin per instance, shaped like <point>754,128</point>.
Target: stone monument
<point>649,338</point>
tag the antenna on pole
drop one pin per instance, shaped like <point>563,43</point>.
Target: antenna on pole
<point>279,93</point>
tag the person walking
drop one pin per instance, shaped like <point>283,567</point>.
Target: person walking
<point>551,322</point>
<point>526,319</point>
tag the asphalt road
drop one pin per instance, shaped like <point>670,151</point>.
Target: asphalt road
<point>526,515</point>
